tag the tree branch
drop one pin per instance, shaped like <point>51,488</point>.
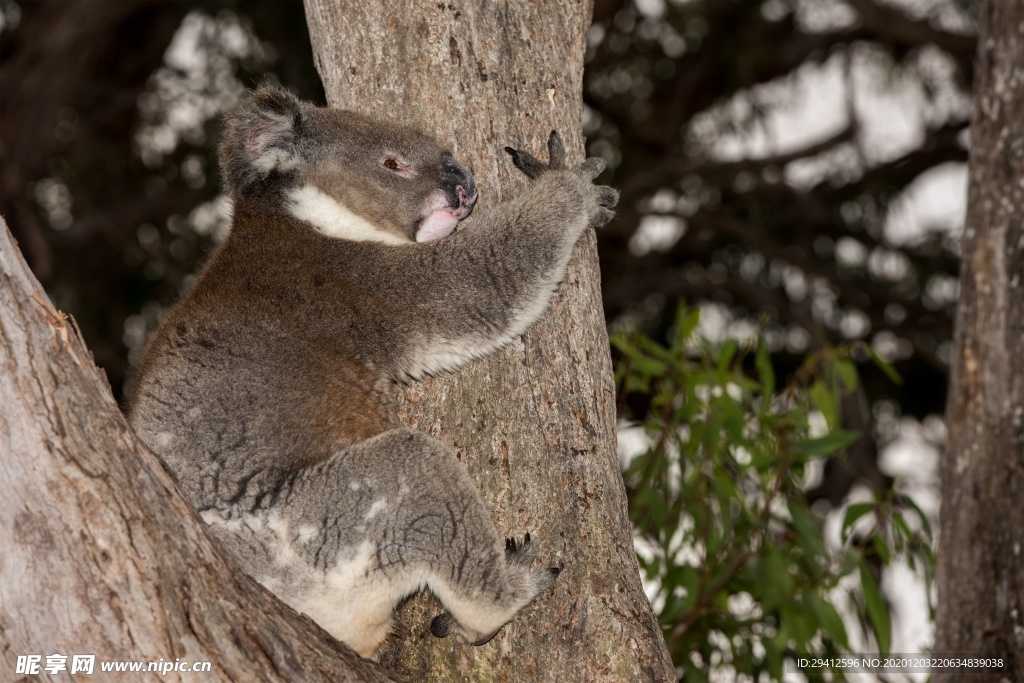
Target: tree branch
<point>887,22</point>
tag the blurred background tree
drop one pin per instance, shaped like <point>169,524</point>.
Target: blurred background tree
<point>794,168</point>
<point>803,160</point>
<point>108,132</point>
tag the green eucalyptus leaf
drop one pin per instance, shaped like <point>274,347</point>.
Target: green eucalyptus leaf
<point>853,513</point>
<point>828,619</point>
<point>846,372</point>
<point>766,375</point>
<point>881,548</point>
<point>878,610</point>
<point>826,445</point>
<point>884,366</point>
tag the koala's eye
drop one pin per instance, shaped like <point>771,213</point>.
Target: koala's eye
<point>398,166</point>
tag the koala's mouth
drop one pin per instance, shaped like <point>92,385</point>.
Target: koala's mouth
<point>444,213</point>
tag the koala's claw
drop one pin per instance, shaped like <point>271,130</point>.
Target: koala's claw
<point>556,151</point>
<point>528,164</point>
<point>520,552</point>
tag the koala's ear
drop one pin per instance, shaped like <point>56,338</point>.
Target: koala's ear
<point>261,137</point>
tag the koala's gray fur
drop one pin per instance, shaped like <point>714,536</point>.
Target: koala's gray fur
<point>266,388</point>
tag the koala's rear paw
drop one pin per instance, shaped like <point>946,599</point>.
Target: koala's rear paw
<point>544,579</point>
<point>520,552</point>
<point>488,611</point>
<point>442,625</point>
<point>445,624</point>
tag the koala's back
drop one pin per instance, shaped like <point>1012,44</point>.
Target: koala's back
<point>234,392</point>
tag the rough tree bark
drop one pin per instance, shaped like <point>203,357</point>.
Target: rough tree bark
<point>100,552</point>
<point>534,423</point>
<point>980,572</point>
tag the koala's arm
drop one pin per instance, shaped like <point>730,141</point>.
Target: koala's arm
<point>486,284</point>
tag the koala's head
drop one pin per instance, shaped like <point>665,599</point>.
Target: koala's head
<point>350,176</point>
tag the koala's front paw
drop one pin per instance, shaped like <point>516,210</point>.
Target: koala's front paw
<point>528,164</point>
<point>602,199</point>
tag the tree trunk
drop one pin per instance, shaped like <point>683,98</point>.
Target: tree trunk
<point>980,572</point>
<point>100,552</point>
<point>535,422</point>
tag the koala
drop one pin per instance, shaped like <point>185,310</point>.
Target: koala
<point>267,389</point>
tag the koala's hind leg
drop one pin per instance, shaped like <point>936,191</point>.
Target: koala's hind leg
<point>391,515</point>
<point>482,579</point>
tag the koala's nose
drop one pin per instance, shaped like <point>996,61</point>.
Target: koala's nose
<point>455,176</point>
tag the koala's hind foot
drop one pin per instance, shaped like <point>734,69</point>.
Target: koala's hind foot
<point>522,553</point>
<point>498,609</point>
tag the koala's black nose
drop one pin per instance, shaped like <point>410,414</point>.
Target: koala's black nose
<point>454,176</point>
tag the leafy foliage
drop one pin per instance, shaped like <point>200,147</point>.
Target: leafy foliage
<point>743,572</point>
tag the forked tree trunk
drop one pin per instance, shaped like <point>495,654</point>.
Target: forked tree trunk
<point>99,552</point>
<point>535,422</point>
<point>980,572</point>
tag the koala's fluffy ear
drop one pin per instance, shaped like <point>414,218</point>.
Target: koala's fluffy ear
<point>260,137</point>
